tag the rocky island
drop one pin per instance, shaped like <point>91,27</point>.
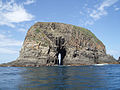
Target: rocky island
<point>45,41</point>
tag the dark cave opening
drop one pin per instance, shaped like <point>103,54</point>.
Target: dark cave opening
<point>61,51</point>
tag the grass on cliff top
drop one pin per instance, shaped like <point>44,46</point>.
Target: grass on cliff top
<point>88,32</point>
<point>37,30</point>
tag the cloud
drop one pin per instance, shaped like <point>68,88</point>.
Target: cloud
<point>107,3</point>
<point>22,30</point>
<point>8,51</point>
<point>97,14</point>
<point>117,9</point>
<point>5,41</point>
<point>6,44</point>
<point>11,12</point>
<point>29,2</point>
<point>99,10</point>
<point>0,3</point>
<point>89,22</point>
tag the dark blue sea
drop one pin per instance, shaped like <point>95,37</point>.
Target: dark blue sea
<point>101,77</point>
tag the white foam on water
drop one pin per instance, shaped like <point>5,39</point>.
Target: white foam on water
<point>59,58</point>
<point>101,64</point>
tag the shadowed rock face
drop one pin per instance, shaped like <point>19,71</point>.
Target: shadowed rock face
<point>45,40</point>
<point>119,59</point>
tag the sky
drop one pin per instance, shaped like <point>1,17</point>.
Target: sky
<point>102,17</point>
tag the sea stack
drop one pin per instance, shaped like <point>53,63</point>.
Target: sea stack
<point>76,45</point>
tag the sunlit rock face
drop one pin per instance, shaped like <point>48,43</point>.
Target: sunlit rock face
<point>46,40</point>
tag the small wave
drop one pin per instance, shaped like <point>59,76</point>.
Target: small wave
<point>101,64</point>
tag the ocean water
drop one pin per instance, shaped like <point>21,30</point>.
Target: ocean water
<point>102,77</point>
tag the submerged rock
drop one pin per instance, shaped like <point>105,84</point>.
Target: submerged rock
<point>77,46</point>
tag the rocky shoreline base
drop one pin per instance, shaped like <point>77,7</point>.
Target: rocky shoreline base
<point>33,65</point>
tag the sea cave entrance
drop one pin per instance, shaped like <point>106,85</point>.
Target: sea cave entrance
<point>61,51</point>
<point>61,55</point>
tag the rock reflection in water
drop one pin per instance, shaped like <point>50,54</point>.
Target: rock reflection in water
<point>63,77</point>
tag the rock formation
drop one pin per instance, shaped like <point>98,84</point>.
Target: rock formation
<point>77,46</point>
<point>119,59</point>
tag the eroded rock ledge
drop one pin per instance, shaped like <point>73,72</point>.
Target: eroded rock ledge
<point>45,40</point>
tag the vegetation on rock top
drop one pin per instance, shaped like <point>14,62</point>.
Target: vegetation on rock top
<point>89,33</point>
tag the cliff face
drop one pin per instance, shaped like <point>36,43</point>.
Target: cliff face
<point>77,46</point>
